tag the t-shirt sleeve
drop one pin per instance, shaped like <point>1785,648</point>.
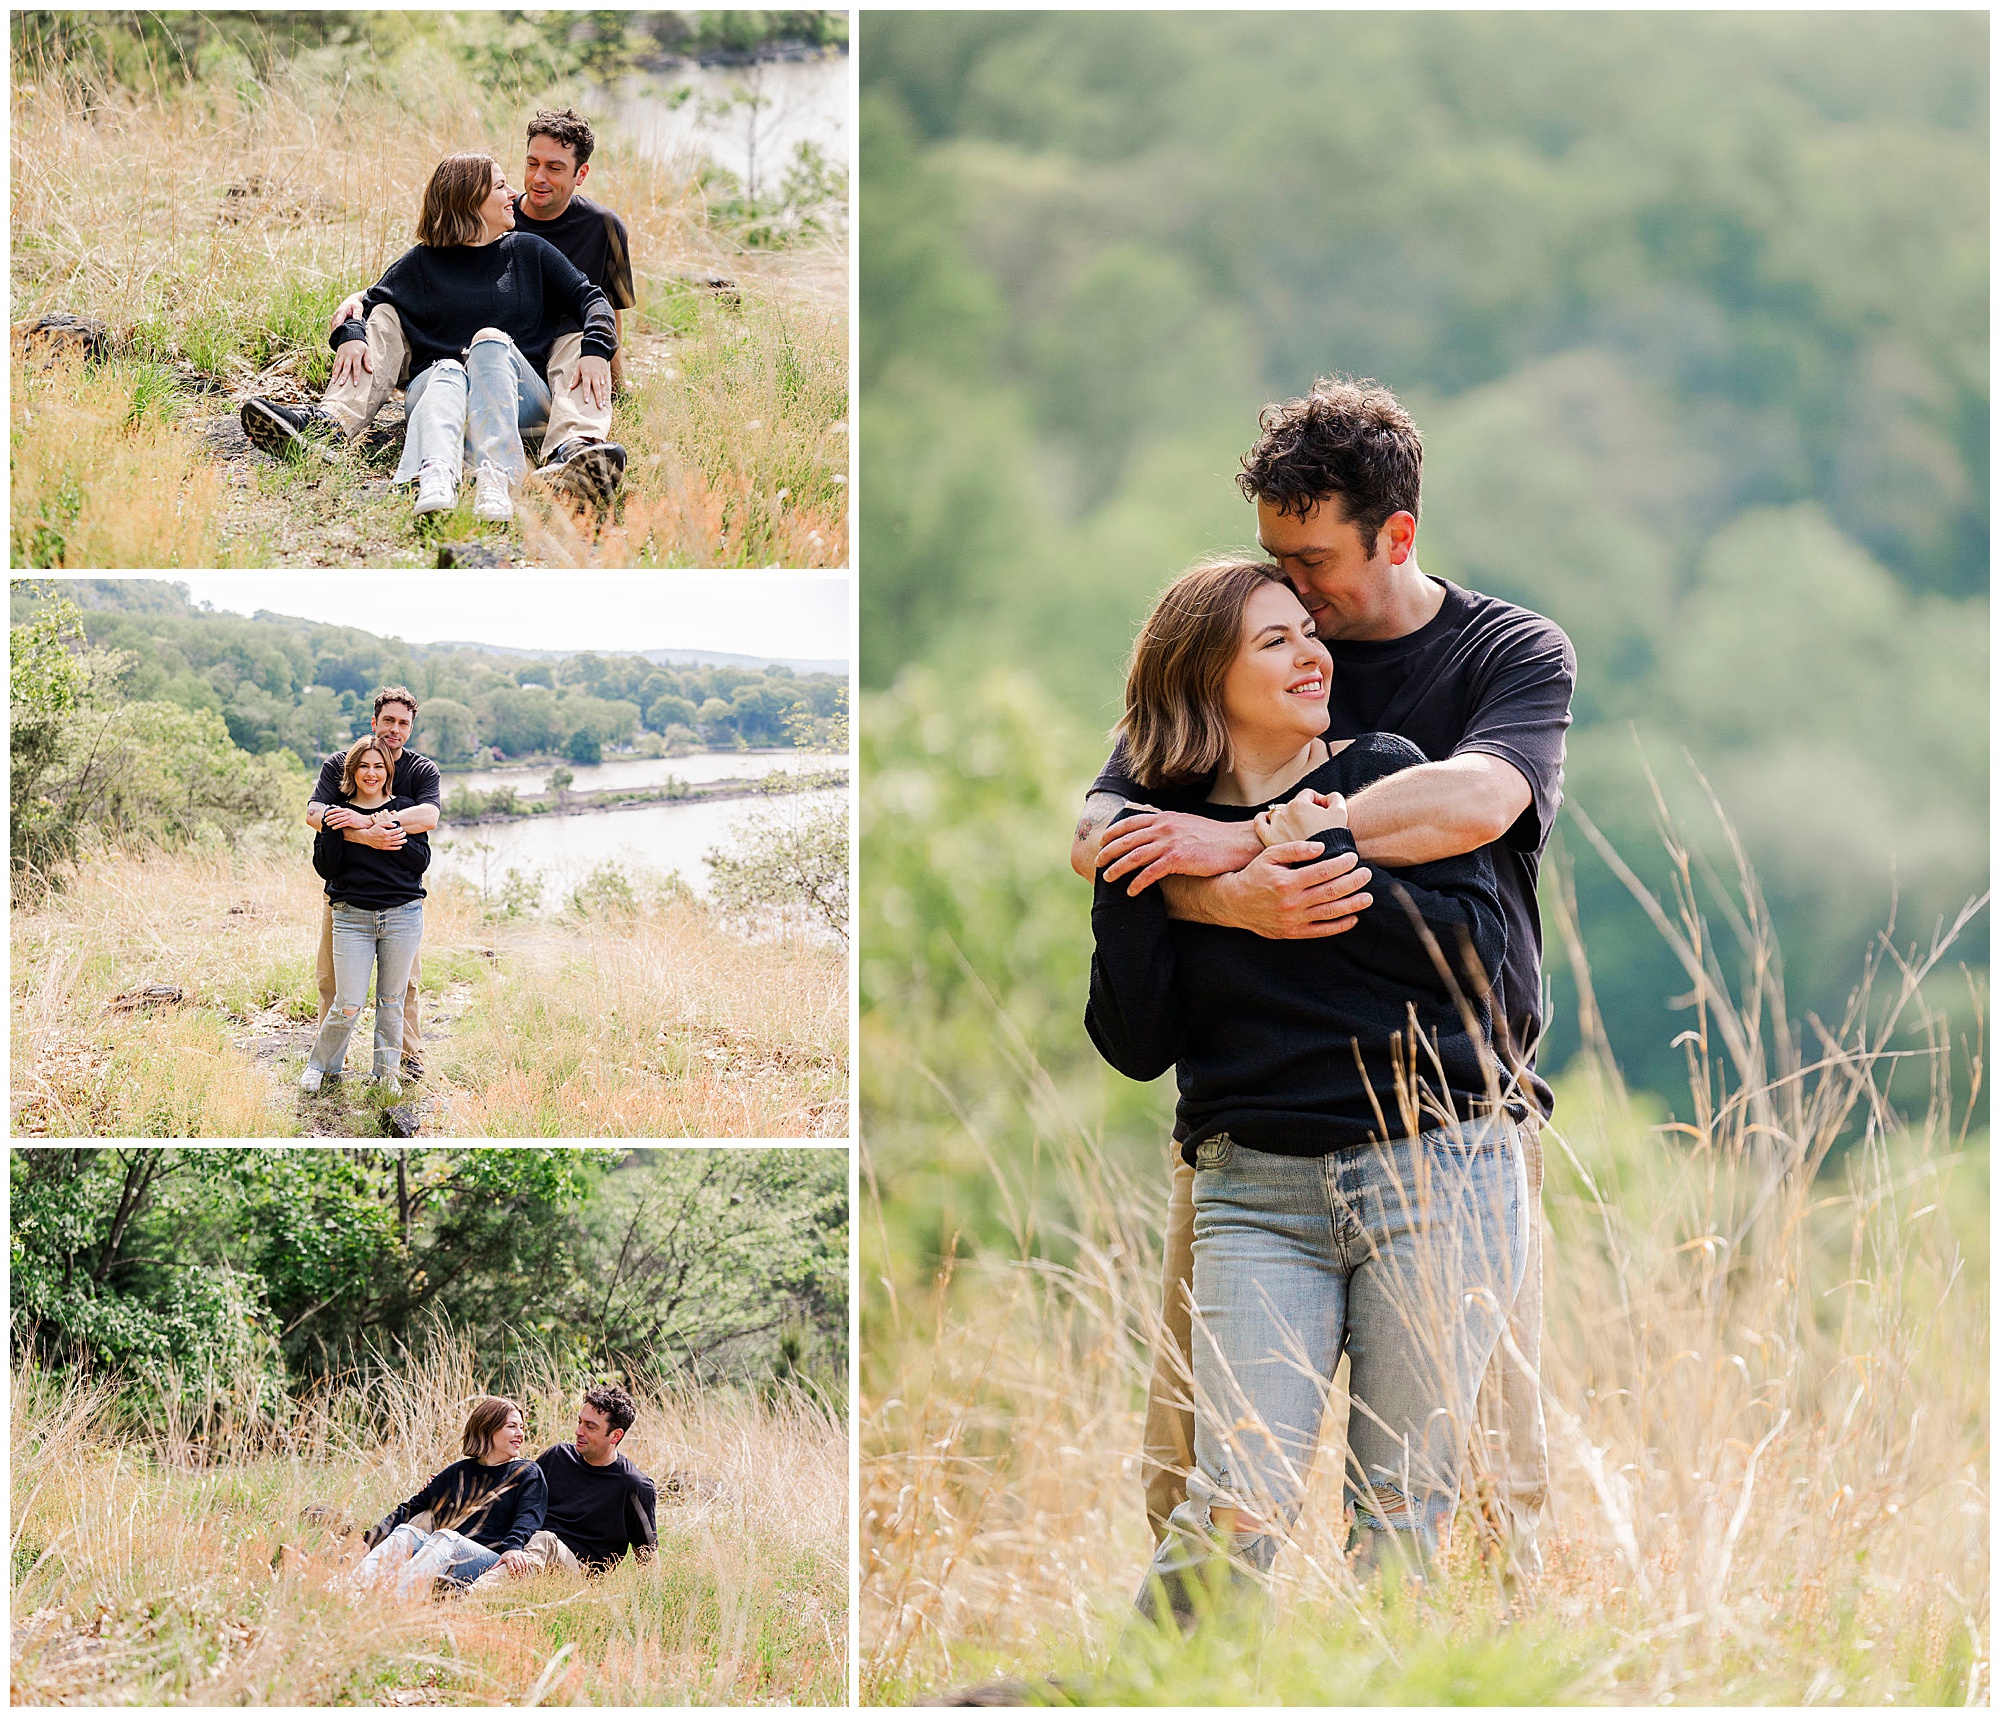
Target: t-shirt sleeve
<point>426,784</point>
<point>1116,775</point>
<point>642,1506</point>
<point>327,788</point>
<point>617,282</point>
<point>1521,715</point>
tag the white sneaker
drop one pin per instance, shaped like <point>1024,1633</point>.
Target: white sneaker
<point>311,1080</point>
<point>490,496</point>
<point>391,1086</point>
<point>437,489</point>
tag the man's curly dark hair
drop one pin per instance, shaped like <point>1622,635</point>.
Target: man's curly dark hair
<point>564,125</point>
<point>613,1403</point>
<point>1348,437</point>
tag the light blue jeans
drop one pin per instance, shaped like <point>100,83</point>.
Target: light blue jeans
<point>382,943</point>
<point>1406,1259</point>
<point>474,410</point>
<point>412,1558</point>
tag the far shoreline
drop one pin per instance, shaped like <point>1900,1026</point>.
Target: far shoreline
<point>640,799</point>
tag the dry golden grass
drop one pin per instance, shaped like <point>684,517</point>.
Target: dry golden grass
<point>1764,1371</point>
<point>735,424</point>
<point>662,1022</point>
<point>153,1568</point>
<point>657,1027</point>
<point>98,479</point>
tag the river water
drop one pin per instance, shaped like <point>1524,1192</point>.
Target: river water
<point>772,106</point>
<point>696,767</point>
<point>565,849</point>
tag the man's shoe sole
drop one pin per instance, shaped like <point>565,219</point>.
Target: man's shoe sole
<point>591,476</point>
<point>271,434</point>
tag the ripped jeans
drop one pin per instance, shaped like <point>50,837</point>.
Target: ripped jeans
<point>363,940</point>
<point>1406,1259</point>
<point>409,1559</point>
<point>475,409</point>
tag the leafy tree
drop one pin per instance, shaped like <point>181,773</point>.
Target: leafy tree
<point>448,730</point>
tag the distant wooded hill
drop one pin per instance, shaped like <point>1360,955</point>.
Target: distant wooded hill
<point>1691,307</point>
<point>307,687</point>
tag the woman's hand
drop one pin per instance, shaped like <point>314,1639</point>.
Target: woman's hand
<point>1302,817</point>
<point>351,362</point>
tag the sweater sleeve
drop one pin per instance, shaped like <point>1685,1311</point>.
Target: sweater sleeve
<point>565,284</point>
<point>1453,903</point>
<point>530,1511</point>
<point>395,277</point>
<point>1133,1015</point>
<point>428,1498</point>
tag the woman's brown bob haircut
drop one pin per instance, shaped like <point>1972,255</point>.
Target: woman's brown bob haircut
<point>1174,729</point>
<point>483,1423</point>
<point>452,198</point>
<point>350,770</point>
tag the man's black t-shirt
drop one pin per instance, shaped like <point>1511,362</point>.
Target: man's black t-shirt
<point>599,1512</point>
<point>417,779</point>
<point>593,238</point>
<point>1482,675</point>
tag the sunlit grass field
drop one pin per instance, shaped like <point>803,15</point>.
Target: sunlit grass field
<point>1765,1376</point>
<point>217,281</point>
<point>172,1567</point>
<point>646,1017</point>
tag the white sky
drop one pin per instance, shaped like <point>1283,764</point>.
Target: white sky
<point>763,614</point>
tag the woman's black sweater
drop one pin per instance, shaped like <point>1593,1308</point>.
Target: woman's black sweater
<point>519,283</point>
<point>501,1507</point>
<point>1293,1046</point>
<point>369,877</point>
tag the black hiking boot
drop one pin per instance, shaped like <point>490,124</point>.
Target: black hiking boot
<point>587,471</point>
<point>287,432</point>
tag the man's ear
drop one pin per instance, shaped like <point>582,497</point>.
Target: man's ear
<point>1401,531</point>
<point>616,1438</point>
<point>583,173</point>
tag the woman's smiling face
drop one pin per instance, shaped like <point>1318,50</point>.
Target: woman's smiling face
<point>1278,681</point>
<point>498,209</point>
<point>371,775</point>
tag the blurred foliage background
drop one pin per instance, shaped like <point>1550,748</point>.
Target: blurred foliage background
<point>1692,309</point>
<point>264,1269</point>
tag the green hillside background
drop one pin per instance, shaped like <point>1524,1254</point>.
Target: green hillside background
<point>1692,310</point>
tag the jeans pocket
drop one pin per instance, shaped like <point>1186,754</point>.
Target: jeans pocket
<point>1482,1135</point>
<point>1214,1153</point>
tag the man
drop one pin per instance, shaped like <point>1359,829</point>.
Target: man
<point>578,456</point>
<point>600,1504</point>
<point>415,778</point>
<point>1483,689</point>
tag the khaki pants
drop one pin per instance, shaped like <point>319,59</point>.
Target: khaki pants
<point>546,1551</point>
<point>571,416</point>
<point>1507,1462</point>
<point>356,403</point>
<point>413,1033</point>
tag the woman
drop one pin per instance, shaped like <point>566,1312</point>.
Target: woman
<point>378,918</point>
<point>480,306</point>
<point>1358,1187</point>
<point>480,1508</point>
